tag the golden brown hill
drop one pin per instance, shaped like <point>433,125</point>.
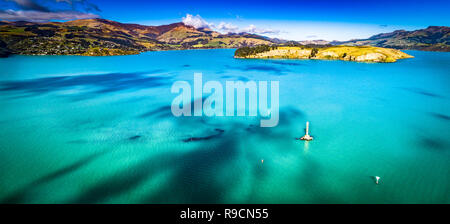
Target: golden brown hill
<point>346,53</point>
<point>90,36</point>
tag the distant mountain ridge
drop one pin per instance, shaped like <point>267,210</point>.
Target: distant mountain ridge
<point>97,37</point>
<point>433,38</point>
<point>106,37</point>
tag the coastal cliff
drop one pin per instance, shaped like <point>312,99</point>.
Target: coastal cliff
<point>346,53</point>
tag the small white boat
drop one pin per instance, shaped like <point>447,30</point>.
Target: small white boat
<point>307,137</point>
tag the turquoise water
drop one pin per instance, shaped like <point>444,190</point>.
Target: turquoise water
<point>99,130</point>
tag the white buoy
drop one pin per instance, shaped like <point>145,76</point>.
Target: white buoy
<point>377,178</point>
<point>307,137</point>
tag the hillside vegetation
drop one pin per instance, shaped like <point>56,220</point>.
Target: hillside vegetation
<point>104,37</point>
<point>347,53</point>
<point>98,37</point>
<point>433,38</point>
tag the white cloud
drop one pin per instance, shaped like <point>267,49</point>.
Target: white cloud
<point>37,16</point>
<point>224,27</point>
<point>227,27</point>
<point>195,21</point>
<point>253,29</point>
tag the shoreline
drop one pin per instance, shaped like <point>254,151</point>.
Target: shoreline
<point>13,54</point>
<point>339,52</point>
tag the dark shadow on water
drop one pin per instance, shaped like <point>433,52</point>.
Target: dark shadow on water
<point>218,131</point>
<point>187,185</point>
<point>132,138</point>
<point>285,63</point>
<point>433,143</point>
<point>193,173</point>
<point>440,116</point>
<point>19,196</point>
<point>68,169</point>
<point>231,78</point>
<point>123,181</point>
<point>259,68</point>
<point>422,92</point>
<point>195,179</point>
<point>242,78</point>
<point>104,83</point>
<point>193,176</point>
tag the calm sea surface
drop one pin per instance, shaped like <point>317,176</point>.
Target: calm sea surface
<point>99,130</point>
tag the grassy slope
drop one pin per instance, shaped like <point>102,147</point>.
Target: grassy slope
<point>104,37</point>
<point>433,38</point>
<point>348,53</point>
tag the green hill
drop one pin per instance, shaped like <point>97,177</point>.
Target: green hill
<point>433,38</point>
<point>105,37</point>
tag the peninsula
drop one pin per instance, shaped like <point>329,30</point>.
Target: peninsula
<point>325,52</point>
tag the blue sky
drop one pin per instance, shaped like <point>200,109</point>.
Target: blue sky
<point>297,20</point>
